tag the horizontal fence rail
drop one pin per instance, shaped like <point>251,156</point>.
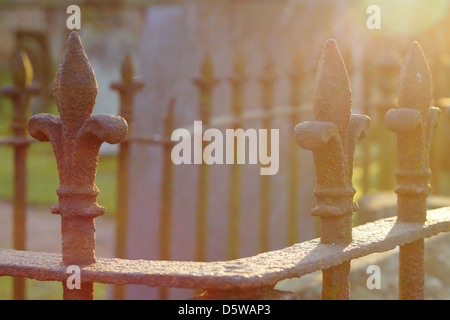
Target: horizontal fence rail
<point>265,269</point>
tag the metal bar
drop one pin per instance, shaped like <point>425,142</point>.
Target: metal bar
<point>155,139</point>
<point>222,121</point>
<point>76,138</point>
<point>332,138</point>
<point>294,157</point>
<point>267,82</point>
<point>165,228</point>
<point>389,68</point>
<point>20,95</point>
<point>265,269</point>
<point>411,271</point>
<point>366,144</point>
<point>127,90</point>
<point>16,141</point>
<point>413,123</point>
<point>206,84</point>
<point>238,82</point>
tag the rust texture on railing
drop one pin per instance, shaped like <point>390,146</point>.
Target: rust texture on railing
<point>76,137</point>
<point>332,138</point>
<point>20,94</point>
<point>413,122</point>
<point>127,89</point>
<point>226,277</point>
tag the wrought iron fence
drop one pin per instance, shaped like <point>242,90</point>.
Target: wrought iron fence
<point>76,137</point>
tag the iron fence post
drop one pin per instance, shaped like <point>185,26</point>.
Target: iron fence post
<point>366,156</point>
<point>165,228</point>
<point>76,137</point>
<point>127,90</point>
<point>237,82</point>
<point>332,138</point>
<point>389,68</point>
<point>20,94</point>
<point>205,84</point>
<point>267,81</point>
<point>413,122</point>
<point>296,81</point>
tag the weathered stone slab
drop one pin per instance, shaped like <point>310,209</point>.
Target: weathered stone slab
<point>175,41</point>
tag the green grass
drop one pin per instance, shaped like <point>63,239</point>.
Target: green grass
<point>43,178</point>
<point>42,173</point>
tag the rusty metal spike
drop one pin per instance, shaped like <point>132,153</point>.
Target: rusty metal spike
<point>170,110</point>
<point>239,63</point>
<point>22,70</point>
<point>415,85</point>
<point>75,86</point>
<point>332,93</point>
<point>171,105</point>
<point>207,67</point>
<point>269,68</point>
<point>297,62</point>
<point>127,70</point>
<point>76,138</point>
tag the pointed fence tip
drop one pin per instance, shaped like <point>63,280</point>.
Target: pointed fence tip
<point>170,116</point>
<point>171,105</point>
<point>207,66</point>
<point>127,70</point>
<point>415,81</point>
<point>75,85</point>
<point>22,70</point>
<point>332,93</point>
<point>297,61</point>
<point>239,62</point>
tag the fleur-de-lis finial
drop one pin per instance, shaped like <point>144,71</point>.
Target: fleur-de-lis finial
<point>332,138</point>
<point>127,70</point>
<point>332,97</point>
<point>413,122</point>
<point>21,92</point>
<point>76,137</point>
<point>206,84</point>
<point>22,70</point>
<point>127,88</point>
<point>238,81</point>
<point>416,85</point>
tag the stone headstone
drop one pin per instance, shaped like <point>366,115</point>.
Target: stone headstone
<point>175,39</point>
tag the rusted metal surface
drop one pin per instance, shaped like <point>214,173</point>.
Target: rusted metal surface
<point>332,138</point>
<point>76,138</point>
<point>127,90</point>
<point>413,122</point>
<point>205,84</point>
<point>262,270</point>
<point>20,94</point>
